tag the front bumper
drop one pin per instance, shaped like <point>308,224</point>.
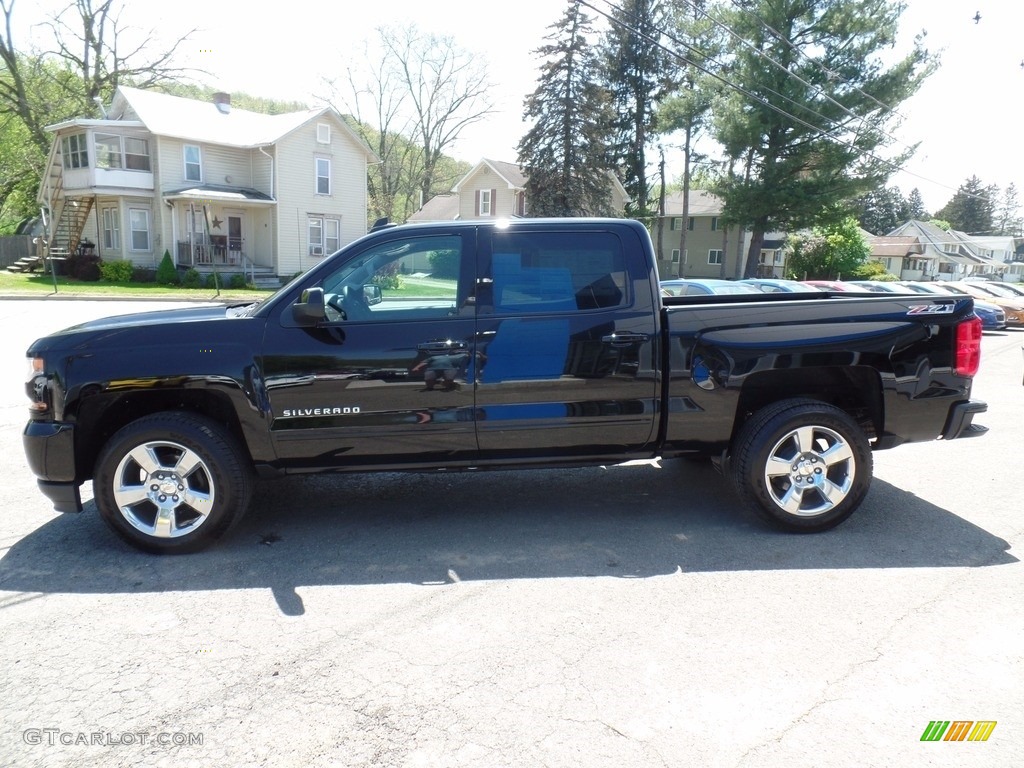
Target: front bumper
<point>959,423</point>
<point>50,450</point>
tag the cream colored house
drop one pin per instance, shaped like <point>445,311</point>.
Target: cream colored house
<point>494,189</point>
<point>712,250</point>
<point>216,187</point>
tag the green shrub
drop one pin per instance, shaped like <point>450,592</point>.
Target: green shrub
<point>117,271</point>
<point>167,273</point>
<point>192,279</point>
<point>84,267</point>
<point>213,281</point>
<point>444,264</point>
<point>237,281</point>
<point>143,275</point>
<point>388,277</point>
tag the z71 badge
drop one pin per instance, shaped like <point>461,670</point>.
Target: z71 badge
<point>931,309</point>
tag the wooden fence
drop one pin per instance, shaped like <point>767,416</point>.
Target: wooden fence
<point>15,247</point>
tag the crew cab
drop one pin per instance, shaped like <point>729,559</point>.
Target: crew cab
<point>491,345</point>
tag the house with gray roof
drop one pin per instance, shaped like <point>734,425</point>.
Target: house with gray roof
<point>948,255</point>
<point>216,187</point>
<point>494,189</point>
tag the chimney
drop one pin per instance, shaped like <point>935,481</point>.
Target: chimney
<point>223,102</point>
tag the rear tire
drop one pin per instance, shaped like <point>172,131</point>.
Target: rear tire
<point>172,483</point>
<point>801,465</point>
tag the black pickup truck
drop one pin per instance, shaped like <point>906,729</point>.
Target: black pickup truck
<point>526,343</point>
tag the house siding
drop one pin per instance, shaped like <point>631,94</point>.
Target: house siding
<point>297,197</point>
<point>504,203</point>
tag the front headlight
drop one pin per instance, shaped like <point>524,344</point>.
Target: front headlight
<point>35,385</point>
<point>35,368</point>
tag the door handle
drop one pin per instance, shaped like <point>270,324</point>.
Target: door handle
<point>624,339</point>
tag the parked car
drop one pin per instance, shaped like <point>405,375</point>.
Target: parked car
<point>992,316</point>
<point>772,285</point>
<point>878,286</point>
<point>1014,308</point>
<point>1017,289</point>
<point>830,285</point>
<point>707,287</point>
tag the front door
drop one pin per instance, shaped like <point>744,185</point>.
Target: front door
<point>385,379</point>
<point>236,240</point>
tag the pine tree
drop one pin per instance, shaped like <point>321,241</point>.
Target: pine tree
<point>915,206</point>
<point>972,208</point>
<point>639,72</point>
<point>1008,216</point>
<point>807,114</point>
<point>564,154</point>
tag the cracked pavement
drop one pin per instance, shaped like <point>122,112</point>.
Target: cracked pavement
<point>628,616</point>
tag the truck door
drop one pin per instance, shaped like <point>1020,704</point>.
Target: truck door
<point>566,343</point>
<point>383,379</point>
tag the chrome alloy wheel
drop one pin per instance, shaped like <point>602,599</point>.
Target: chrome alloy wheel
<point>163,489</point>
<point>810,471</point>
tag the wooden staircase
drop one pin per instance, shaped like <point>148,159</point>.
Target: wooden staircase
<point>68,216</point>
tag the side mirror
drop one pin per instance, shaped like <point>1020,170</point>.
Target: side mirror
<point>373,294</point>
<point>309,309</point>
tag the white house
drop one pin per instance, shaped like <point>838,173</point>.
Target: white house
<point>216,187</point>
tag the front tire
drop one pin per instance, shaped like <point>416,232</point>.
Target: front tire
<point>171,483</point>
<point>801,465</point>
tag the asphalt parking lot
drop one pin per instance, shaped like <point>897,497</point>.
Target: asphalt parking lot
<point>627,616</point>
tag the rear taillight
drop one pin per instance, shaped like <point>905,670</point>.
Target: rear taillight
<point>968,347</point>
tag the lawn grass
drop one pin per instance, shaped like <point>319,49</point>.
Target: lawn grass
<point>35,284</point>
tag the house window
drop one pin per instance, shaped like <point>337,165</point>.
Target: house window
<point>111,229</point>
<point>323,176</point>
<point>676,225</point>
<point>323,133</point>
<point>689,224</point>
<point>485,202</point>
<point>114,151</point>
<point>324,235</point>
<point>714,223</point>
<point>332,235</point>
<point>75,151</point>
<point>108,151</point>
<point>715,255</point>
<point>138,222</point>
<point>136,154</point>
<point>193,163</point>
<point>675,252</point>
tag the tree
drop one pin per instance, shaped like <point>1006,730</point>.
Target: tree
<point>972,208</point>
<point>374,95</point>
<point>915,206</point>
<point>1008,218</point>
<point>639,72</point>
<point>564,153</point>
<point>807,108</point>
<point>828,252</point>
<point>447,89</point>
<point>689,109</point>
<point>882,210</point>
<point>94,54</point>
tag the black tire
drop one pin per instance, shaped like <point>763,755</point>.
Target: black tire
<point>801,465</point>
<point>182,464</point>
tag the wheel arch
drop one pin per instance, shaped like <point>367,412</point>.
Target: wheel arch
<point>857,390</point>
<point>100,416</point>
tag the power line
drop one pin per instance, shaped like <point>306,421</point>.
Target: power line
<point>760,100</point>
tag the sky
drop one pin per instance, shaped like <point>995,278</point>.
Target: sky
<point>965,115</point>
